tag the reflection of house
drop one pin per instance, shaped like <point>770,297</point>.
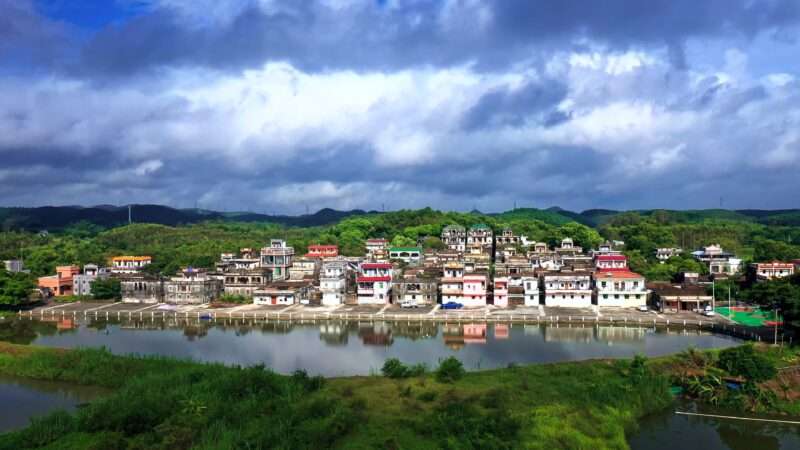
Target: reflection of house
<point>82,283</point>
<point>61,283</point>
<point>453,336</point>
<point>377,334</point>
<point>674,298</point>
<point>620,288</point>
<point>409,255</point>
<point>138,288</point>
<point>129,264</point>
<point>277,257</point>
<point>374,283</point>
<point>192,286</point>
<point>771,270</point>
<point>569,289</point>
<point>501,331</point>
<point>475,333</point>
<point>620,334</point>
<point>455,237</point>
<point>568,334</point>
<point>333,333</point>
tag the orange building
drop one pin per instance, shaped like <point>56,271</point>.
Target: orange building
<point>59,284</point>
<point>322,251</point>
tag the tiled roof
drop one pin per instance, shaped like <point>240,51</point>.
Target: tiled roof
<point>376,265</point>
<point>620,274</point>
<point>373,279</point>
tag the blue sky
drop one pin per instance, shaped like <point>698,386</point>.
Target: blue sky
<point>277,105</point>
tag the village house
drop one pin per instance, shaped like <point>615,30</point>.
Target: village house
<point>82,283</point>
<point>577,262</point>
<point>567,289</point>
<point>500,291</point>
<point>719,261</point>
<point>14,265</point>
<point>304,269</point>
<point>475,285</point>
<point>277,257</point>
<point>141,288</point>
<point>374,283</point>
<point>530,285</point>
<point>192,287</point>
<point>663,254</point>
<point>673,298</point>
<point>507,237</point>
<point>377,249</point>
<point>477,262</point>
<point>455,238</point>
<point>416,290</point>
<point>409,255</point>
<point>61,283</point>
<point>452,282</point>
<point>513,266</point>
<point>543,258</point>
<point>284,293</point>
<point>606,248</point>
<point>244,282</point>
<point>480,239</point>
<point>568,247</point>
<point>610,262</point>
<point>333,281</point>
<point>129,264</point>
<point>245,261</point>
<point>620,288</point>
<point>322,251</point>
<point>771,271</point>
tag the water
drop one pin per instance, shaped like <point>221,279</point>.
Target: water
<point>23,399</point>
<point>669,431</point>
<point>349,348</point>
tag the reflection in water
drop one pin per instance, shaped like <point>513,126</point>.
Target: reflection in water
<point>23,399</point>
<point>669,431</point>
<point>348,348</point>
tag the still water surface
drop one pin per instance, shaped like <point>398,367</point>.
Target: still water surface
<point>350,348</point>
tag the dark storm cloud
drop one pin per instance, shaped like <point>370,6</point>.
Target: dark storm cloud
<point>371,36</point>
<point>510,107</point>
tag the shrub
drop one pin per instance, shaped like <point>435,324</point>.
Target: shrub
<point>393,368</point>
<point>427,396</point>
<point>744,361</point>
<point>450,370</point>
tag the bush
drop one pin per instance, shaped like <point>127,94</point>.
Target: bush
<point>450,370</point>
<point>744,361</point>
<point>393,368</point>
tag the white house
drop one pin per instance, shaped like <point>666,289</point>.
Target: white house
<point>374,283</point>
<point>620,288</point>
<point>333,281</point>
<point>568,289</point>
<point>531,286</point>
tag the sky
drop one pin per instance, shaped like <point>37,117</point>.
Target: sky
<point>284,106</point>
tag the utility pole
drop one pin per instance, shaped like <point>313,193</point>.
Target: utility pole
<point>713,293</point>
<point>129,215</point>
<point>776,323</point>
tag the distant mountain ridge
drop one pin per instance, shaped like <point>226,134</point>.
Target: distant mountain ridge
<point>108,216</point>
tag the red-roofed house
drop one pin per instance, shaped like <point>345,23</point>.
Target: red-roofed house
<point>322,251</point>
<point>772,270</point>
<point>374,283</point>
<point>620,288</point>
<point>611,262</point>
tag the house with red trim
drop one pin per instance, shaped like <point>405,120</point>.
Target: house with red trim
<point>374,282</point>
<point>322,251</point>
<point>620,288</point>
<point>611,262</point>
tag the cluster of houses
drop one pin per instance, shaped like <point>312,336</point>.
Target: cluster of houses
<point>474,268</point>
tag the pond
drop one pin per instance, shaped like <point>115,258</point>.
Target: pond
<point>669,431</point>
<point>334,348</point>
<point>23,399</point>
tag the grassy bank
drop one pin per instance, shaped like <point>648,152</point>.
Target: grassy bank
<point>165,403</point>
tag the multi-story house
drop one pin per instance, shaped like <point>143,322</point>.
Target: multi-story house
<point>374,283</point>
<point>620,288</point>
<point>192,287</point>
<point>409,255</point>
<point>507,237</point>
<point>610,262</point>
<point>283,293</point>
<point>568,289</point>
<point>61,283</point>
<point>500,292</point>
<point>416,290</point>
<point>377,249</point>
<point>719,261</point>
<point>277,257</point>
<point>333,282</point>
<point>322,251</point>
<point>82,283</point>
<point>129,264</point>
<point>475,285</point>
<point>244,282</point>
<point>245,261</point>
<point>480,239</point>
<point>14,265</point>
<point>452,283</point>
<point>142,288</point>
<point>304,269</point>
<point>530,284</point>
<point>673,298</point>
<point>455,237</point>
<point>663,254</point>
<point>771,270</point>
<point>568,247</point>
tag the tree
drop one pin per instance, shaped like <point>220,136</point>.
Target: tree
<point>403,241</point>
<point>745,362</point>
<point>106,289</point>
<point>15,288</point>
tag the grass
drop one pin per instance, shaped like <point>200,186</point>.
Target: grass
<point>752,317</point>
<point>166,403</point>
